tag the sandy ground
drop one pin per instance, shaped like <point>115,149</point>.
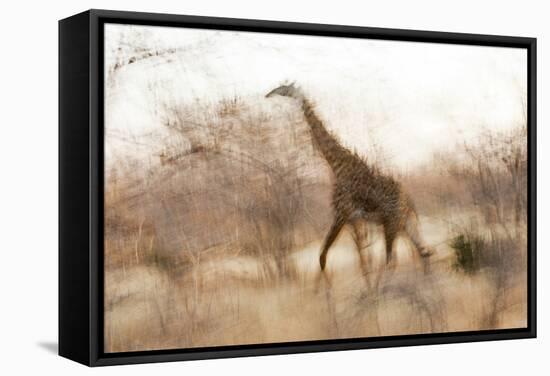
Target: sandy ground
<point>228,299</point>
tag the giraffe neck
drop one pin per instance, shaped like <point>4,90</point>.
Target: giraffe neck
<point>327,144</point>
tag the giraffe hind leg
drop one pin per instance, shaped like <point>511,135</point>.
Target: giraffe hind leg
<point>335,229</point>
<point>412,229</point>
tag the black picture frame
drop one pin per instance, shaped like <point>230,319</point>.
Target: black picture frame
<point>81,186</point>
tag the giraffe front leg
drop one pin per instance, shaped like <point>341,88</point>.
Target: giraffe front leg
<point>360,235</point>
<point>371,274</point>
<point>333,232</point>
<point>389,236</point>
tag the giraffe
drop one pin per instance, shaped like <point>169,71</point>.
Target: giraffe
<point>360,192</point>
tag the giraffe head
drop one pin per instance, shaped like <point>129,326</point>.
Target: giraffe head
<point>285,91</point>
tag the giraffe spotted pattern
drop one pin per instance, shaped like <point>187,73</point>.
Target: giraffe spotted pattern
<point>360,193</point>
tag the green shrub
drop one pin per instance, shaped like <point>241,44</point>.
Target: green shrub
<point>467,251</point>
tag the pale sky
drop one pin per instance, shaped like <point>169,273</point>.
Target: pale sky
<point>412,98</point>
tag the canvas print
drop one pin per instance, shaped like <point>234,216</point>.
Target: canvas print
<point>267,188</point>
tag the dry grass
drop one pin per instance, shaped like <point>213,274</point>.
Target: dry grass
<point>215,241</point>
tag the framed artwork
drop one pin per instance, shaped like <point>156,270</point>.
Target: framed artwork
<point>235,187</point>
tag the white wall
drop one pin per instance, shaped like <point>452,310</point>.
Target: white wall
<point>28,206</point>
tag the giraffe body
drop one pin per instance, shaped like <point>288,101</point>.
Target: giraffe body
<point>360,192</point>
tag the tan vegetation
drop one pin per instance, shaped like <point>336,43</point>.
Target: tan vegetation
<point>216,240</point>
